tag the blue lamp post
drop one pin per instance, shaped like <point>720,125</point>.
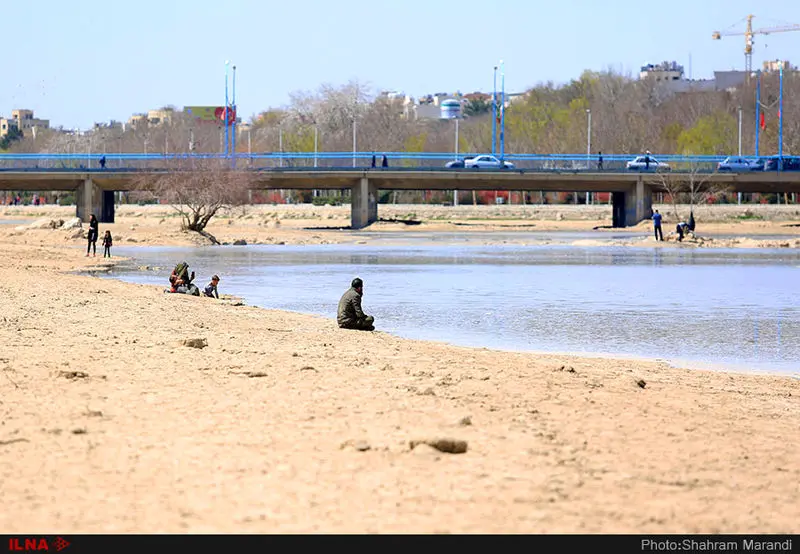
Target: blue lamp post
<point>780,121</point>
<point>494,113</point>
<point>502,110</point>
<point>225,112</point>
<point>233,130</point>
<point>758,109</point>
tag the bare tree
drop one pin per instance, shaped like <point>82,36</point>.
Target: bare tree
<point>694,183</point>
<point>198,189</point>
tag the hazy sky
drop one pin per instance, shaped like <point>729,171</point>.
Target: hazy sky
<point>87,61</point>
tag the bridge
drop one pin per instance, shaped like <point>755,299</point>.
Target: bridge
<point>632,191</point>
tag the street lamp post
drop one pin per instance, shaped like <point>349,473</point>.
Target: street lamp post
<point>233,130</point>
<point>354,139</point>
<point>494,113</point>
<point>225,113</point>
<point>455,192</point>
<point>739,194</point>
<point>740,130</point>
<point>503,112</point>
<point>780,120</point>
<point>588,144</point>
<point>758,110</point>
<point>316,142</point>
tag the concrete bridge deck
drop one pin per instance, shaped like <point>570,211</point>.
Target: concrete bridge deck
<point>631,190</point>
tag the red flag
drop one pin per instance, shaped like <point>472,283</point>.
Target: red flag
<point>762,123</point>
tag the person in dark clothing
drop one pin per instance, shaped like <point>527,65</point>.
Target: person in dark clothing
<point>107,241</point>
<point>691,221</point>
<point>657,226</point>
<point>600,161</point>
<point>373,160</point>
<point>349,314</point>
<point>384,161</point>
<point>103,162</point>
<point>682,228</point>
<point>211,288</point>
<point>92,237</point>
<point>647,160</point>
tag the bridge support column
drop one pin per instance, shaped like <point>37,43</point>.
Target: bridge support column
<point>638,203</point>
<point>363,204</point>
<point>91,199</point>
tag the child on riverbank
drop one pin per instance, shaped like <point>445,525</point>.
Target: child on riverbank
<point>107,241</point>
<point>211,288</point>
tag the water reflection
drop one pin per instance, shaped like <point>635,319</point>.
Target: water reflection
<point>736,308</point>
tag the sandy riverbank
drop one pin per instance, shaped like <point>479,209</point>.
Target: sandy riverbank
<point>284,423</point>
<point>728,226</point>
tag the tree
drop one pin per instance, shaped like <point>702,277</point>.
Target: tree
<point>198,189</point>
<point>696,184</point>
<point>13,135</point>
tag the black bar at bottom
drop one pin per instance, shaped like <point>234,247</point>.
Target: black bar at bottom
<point>85,544</point>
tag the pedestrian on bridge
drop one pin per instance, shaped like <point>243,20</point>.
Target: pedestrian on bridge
<point>384,161</point>
<point>600,161</point>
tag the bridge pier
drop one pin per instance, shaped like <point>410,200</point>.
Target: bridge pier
<point>638,203</point>
<point>363,204</point>
<point>91,199</point>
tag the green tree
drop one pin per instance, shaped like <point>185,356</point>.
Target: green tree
<point>712,134</point>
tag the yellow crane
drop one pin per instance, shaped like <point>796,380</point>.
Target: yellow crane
<point>748,38</point>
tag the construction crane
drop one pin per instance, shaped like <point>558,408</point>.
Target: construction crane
<point>748,38</point>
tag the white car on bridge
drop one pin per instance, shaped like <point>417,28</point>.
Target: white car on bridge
<point>646,163</point>
<point>486,161</point>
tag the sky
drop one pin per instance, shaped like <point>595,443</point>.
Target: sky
<point>85,61</point>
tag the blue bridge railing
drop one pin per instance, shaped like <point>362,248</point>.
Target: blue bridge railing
<point>343,160</point>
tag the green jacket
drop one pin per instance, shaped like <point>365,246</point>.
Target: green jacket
<point>350,308</point>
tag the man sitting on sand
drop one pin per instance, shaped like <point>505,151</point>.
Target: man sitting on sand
<point>350,315</point>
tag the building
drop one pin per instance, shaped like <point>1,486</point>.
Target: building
<point>670,78</point>
<point>665,71</point>
<point>774,66</point>
<point>137,119</point>
<point>24,121</point>
<point>152,117</point>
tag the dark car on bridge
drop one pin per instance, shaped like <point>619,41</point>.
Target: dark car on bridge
<point>785,163</point>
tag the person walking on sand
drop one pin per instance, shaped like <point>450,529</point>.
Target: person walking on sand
<point>349,314</point>
<point>92,237</point>
<point>107,241</point>
<point>657,226</point>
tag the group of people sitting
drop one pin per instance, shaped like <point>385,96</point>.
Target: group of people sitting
<point>349,314</point>
<point>180,281</point>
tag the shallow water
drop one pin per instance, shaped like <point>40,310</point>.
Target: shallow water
<point>728,309</point>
